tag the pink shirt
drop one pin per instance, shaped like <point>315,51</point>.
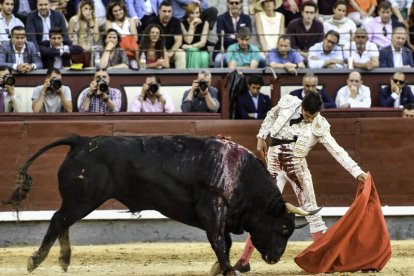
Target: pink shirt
<point>148,106</point>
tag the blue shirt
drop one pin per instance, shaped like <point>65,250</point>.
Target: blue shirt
<point>292,56</point>
<point>242,58</point>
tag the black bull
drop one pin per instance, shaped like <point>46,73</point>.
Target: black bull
<point>209,183</point>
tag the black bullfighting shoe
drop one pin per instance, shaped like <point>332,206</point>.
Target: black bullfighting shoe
<point>241,267</point>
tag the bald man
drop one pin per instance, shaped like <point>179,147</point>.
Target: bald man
<point>354,94</point>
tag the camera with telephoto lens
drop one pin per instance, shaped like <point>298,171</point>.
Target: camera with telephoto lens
<point>56,84</point>
<point>8,80</point>
<point>153,88</point>
<point>202,85</point>
<point>102,85</point>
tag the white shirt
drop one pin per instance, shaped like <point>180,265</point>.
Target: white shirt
<point>401,3</point>
<point>371,51</point>
<point>5,29</point>
<point>317,57</point>
<point>363,98</point>
<point>398,62</point>
<point>343,30</point>
<point>46,26</point>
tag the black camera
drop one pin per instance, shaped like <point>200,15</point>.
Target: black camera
<point>8,80</point>
<point>153,88</point>
<point>56,84</point>
<point>203,84</point>
<point>102,85</point>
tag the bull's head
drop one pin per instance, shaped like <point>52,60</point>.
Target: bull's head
<point>272,233</point>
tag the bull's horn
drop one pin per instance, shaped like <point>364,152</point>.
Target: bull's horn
<point>301,225</point>
<point>295,210</point>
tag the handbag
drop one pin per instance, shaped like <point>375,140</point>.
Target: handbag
<point>130,45</point>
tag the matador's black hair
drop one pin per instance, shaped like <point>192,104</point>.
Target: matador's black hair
<point>312,102</point>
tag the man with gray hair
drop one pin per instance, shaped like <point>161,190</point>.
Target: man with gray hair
<point>243,54</point>
<point>202,97</point>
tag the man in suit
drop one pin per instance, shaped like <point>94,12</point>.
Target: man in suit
<point>229,23</point>
<point>254,105</point>
<point>310,83</point>
<point>40,21</point>
<point>22,8</point>
<point>397,55</point>
<point>397,94</point>
<point>19,54</point>
<point>56,52</point>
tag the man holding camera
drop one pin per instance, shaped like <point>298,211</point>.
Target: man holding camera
<point>9,101</point>
<point>99,97</point>
<point>52,96</point>
<point>152,99</point>
<point>202,97</point>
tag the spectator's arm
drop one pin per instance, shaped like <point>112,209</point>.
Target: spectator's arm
<point>186,102</point>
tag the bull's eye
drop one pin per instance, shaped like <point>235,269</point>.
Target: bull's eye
<point>285,229</point>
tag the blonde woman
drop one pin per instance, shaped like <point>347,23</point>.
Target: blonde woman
<point>84,31</point>
<point>195,32</point>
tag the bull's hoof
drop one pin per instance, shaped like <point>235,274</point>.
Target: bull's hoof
<point>64,263</point>
<point>31,264</point>
<point>240,266</point>
<point>215,269</point>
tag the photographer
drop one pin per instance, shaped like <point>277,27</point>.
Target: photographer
<point>9,101</point>
<point>99,97</point>
<point>202,97</point>
<point>152,99</point>
<point>52,96</point>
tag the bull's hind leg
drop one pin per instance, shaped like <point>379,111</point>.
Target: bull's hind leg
<point>65,251</point>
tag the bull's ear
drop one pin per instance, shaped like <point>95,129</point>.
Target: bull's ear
<point>298,211</point>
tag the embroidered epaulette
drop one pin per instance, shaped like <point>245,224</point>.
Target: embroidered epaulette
<point>320,126</point>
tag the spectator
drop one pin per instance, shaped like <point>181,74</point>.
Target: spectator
<point>243,54</point>
<point>254,104</point>
<point>397,94</point>
<point>7,20</point>
<point>99,97</point>
<point>410,24</point>
<point>269,24</point>
<point>310,84</point>
<point>354,94</point>
<point>9,100</point>
<point>228,24</point>
<point>19,54</point>
<point>141,11</point>
<point>113,56</point>
<point>23,8</point>
<point>379,29</point>
<point>84,31</point>
<point>152,45</point>
<point>325,8</point>
<point>152,99</point>
<point>52,96</point>
<point>55,52</point>
<point>202,97</point>
<point>326,54</point>
<point>116,19</point>
<point>290,9</point>
<point>208,14</point>
<point>364,54</point>
<point>401,9</point>
<point>397,55</point>
<point>173,36</point>
<point>306,31</point>
<point>40,21</point>
<point>100,10</point>
<point>361,11</point>
<point>284,56</point>
<point>195,32</point>
<point>408,111</point>
<point>340,23</point>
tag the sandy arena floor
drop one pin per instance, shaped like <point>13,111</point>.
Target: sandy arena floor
<point>174,259</point>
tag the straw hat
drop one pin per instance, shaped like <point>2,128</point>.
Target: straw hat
<point>259,3</point>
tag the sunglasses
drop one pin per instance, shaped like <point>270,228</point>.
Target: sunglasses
<point>398,81</point>
<point>234,3</point>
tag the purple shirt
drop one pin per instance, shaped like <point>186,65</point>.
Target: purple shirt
<point>376,32</point>
<point>292,56</point>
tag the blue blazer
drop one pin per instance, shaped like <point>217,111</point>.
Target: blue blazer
<point>49,54</point>
<point>327,100</point>
<point>34,26</point>
<point>245,105</point>
<point>386,58</point>
<point>224,23</point>
<point>135,8</point>
<point>386,100</point>
<point>30,55</point>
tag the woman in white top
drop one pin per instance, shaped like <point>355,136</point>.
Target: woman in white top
<point>340,23</point>
<point>116,18</point>
<point>269,24</point>
<point>84,30</point>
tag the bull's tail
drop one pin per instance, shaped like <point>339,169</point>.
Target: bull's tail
<point>24,180</point>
